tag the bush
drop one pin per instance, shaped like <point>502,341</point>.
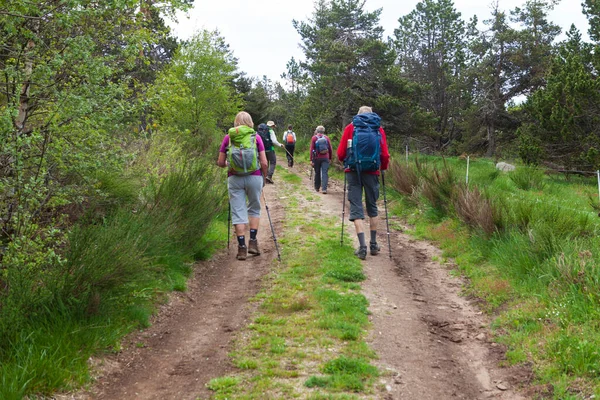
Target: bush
<point>110,273</point>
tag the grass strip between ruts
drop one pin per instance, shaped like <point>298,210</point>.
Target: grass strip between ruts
<point>307,336</point>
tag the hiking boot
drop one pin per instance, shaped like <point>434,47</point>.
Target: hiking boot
<point>361,252</point>
<point>324,191</point>
<point>269,179</point>
<point>253,247</point>
<point>242,253</point>
<point>375,248</point>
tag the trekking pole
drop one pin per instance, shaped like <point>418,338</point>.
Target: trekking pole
<point>228,226</point>
<point>343,212</point>
<point>387,224</point>
<point>272,230</point>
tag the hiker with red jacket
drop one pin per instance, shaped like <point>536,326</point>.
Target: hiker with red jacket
<point>364,152</point>
<point>320,158</point>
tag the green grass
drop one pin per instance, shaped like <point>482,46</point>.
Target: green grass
<point>538,273</point>
<point>312,318</point>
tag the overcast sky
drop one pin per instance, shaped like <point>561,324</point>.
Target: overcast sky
<point>261,35</point>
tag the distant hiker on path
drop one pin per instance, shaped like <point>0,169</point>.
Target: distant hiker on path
<point>320,158</point>
<point>363,150</point>
<point>289,138</point>
<point>269,138</point>
<point>243,151</point>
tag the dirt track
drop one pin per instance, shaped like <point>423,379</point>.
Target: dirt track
<point>432,342</point>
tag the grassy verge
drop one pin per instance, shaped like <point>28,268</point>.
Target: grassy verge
<point>528,242</point>
<point>307,338</point>
<point>55,315</point>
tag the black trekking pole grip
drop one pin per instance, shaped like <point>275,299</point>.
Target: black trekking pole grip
<point>271,224</point>
<point>387,223</point>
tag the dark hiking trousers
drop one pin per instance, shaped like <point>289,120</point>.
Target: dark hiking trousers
<point>370,184</point>
<point>272,159</point>
<point>290,153</point>
<point>321,173</point>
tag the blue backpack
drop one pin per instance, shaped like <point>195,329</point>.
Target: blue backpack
<point>366,144</point>
<point>321,145</point>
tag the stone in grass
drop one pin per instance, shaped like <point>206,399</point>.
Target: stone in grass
<point>505,167</point>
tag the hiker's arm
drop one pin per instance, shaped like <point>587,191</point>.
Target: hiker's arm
<point>312,148</point>
<point>341,150</point>
<point>264,165</point>
<point>385,153</point>
<point>274,139</point>
<point>222,161</point>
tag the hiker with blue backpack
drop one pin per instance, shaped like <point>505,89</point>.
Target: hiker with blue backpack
<point>320,158</point>
<point>243,153</point>
<point>364,152</point>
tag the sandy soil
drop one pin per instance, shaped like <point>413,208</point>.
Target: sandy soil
<point>432,343</point>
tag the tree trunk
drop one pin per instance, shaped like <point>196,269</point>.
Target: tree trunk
<point>491,137</point>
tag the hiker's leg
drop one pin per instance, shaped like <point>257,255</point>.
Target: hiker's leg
<point>254,222</point>
<point>254,186</point>
<point>272,159</point>
<point>288,154</point>
<point>325,174</point>
<point>317,163</point>
<point>292,148</point>
<point>355,198</point>
<point>371,185</point>
<point>237,201</point>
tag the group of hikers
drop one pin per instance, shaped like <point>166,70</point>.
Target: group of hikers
<point>250,159</point>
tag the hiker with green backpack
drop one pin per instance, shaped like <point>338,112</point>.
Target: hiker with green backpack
<point>364,152</point>
<point>243,153</point>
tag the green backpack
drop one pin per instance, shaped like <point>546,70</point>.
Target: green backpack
<point>242,152</point>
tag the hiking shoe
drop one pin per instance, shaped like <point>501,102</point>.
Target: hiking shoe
<point>242,253</point>
<point>269,179</point>
<point>361,252</point>
<point>324,191</point>
<point>375,248</point>
<point>253,247</point>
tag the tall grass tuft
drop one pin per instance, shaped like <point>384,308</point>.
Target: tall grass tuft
<point>438,185</point>
<point>404,179</point>
<point>528,178</point>
<point>477,211</point>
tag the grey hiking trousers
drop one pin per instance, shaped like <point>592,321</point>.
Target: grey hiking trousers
<point>241,188</point>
